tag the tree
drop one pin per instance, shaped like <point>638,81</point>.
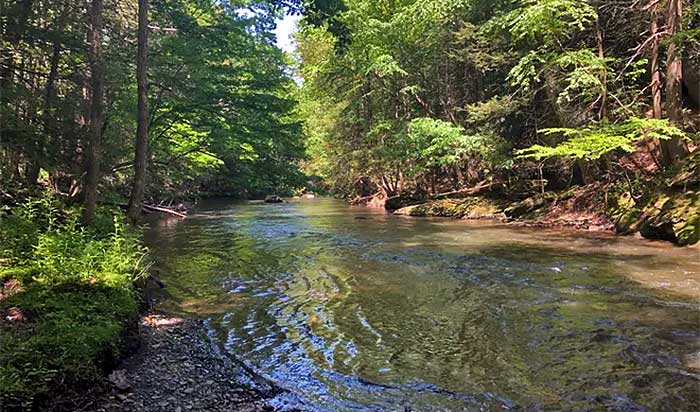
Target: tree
<point>674,149</point>
<point>140,160</point>
<point>654,56</point>
<point>95,117</point>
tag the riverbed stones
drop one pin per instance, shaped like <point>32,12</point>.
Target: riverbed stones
<point>178,369</point>
<point>119,380</point>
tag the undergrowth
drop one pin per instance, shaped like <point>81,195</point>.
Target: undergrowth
<point>67,294</point>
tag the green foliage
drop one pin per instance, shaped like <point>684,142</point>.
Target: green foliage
<point>68,255</point>
<point>76,291</point>
<point>20,227</point>
<point>593,142</point>
<point>435,143</point>
<point>221,97</point>
<point>426,96</point>
<point>549,20</point>
<point>528,70</point>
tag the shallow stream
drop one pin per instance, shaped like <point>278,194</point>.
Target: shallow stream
<point>353,309</point>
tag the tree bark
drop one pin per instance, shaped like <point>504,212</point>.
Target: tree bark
<point>674,149</point>
<point>140,159</point>
<point>655,71</point>
<point>603,112</point>
<point>49,119</point>
<point>96,63</point>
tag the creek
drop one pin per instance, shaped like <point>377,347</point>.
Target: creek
<point>354,309</point>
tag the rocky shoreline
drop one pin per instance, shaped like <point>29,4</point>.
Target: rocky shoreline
<point>178,368</point>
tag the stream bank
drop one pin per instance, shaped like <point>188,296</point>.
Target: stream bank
<point>179,368</point>
<point>671,213</point>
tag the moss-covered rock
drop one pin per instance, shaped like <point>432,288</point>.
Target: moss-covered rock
<point>674,217</point>
<point>664,213</point>
<point>529,205</point>
<point>475,207</point>
<point>625,212</point>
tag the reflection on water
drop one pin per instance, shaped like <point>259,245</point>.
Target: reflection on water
<point>352,309</point>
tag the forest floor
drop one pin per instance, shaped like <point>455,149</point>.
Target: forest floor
<point>178,369</point>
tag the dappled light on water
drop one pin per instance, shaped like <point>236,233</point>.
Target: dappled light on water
<point>353,309</point>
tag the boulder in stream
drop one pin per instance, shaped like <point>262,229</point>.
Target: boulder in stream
<point>273,199</point>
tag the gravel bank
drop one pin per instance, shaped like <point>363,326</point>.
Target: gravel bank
<point>178,369</point>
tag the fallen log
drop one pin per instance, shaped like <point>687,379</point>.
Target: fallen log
<point>151,208</point>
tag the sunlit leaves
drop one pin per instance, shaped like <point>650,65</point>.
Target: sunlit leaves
<point>528,70</point>
<point>584,74</point>
<point>550,20</point>
<point>226,105</point>
<point>593,142</point>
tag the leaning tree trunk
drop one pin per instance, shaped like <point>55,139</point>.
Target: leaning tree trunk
<point>140,160</point>
<point>674,149</point>
<point>95,60</point>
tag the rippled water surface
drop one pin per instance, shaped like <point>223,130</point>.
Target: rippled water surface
<point>351,309</point>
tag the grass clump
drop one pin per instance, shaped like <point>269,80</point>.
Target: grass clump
<point>67,295</point>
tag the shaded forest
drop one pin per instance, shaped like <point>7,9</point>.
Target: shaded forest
<point>210,98</point>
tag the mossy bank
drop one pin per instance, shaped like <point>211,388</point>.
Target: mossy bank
<point>668,210</point>
<point>68,300</point>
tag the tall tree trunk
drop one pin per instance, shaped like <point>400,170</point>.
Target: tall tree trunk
<point>95,60</point>
<point>49,120</point>
<point>15,25</point>
<point>603,112</point>
<point>674,149</point>
<point>140,160</point>
<point>655,71</point>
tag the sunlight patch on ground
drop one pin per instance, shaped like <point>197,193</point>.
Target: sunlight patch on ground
<point>158,321</point>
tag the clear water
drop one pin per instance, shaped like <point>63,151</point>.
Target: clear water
<point>352,309</point>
